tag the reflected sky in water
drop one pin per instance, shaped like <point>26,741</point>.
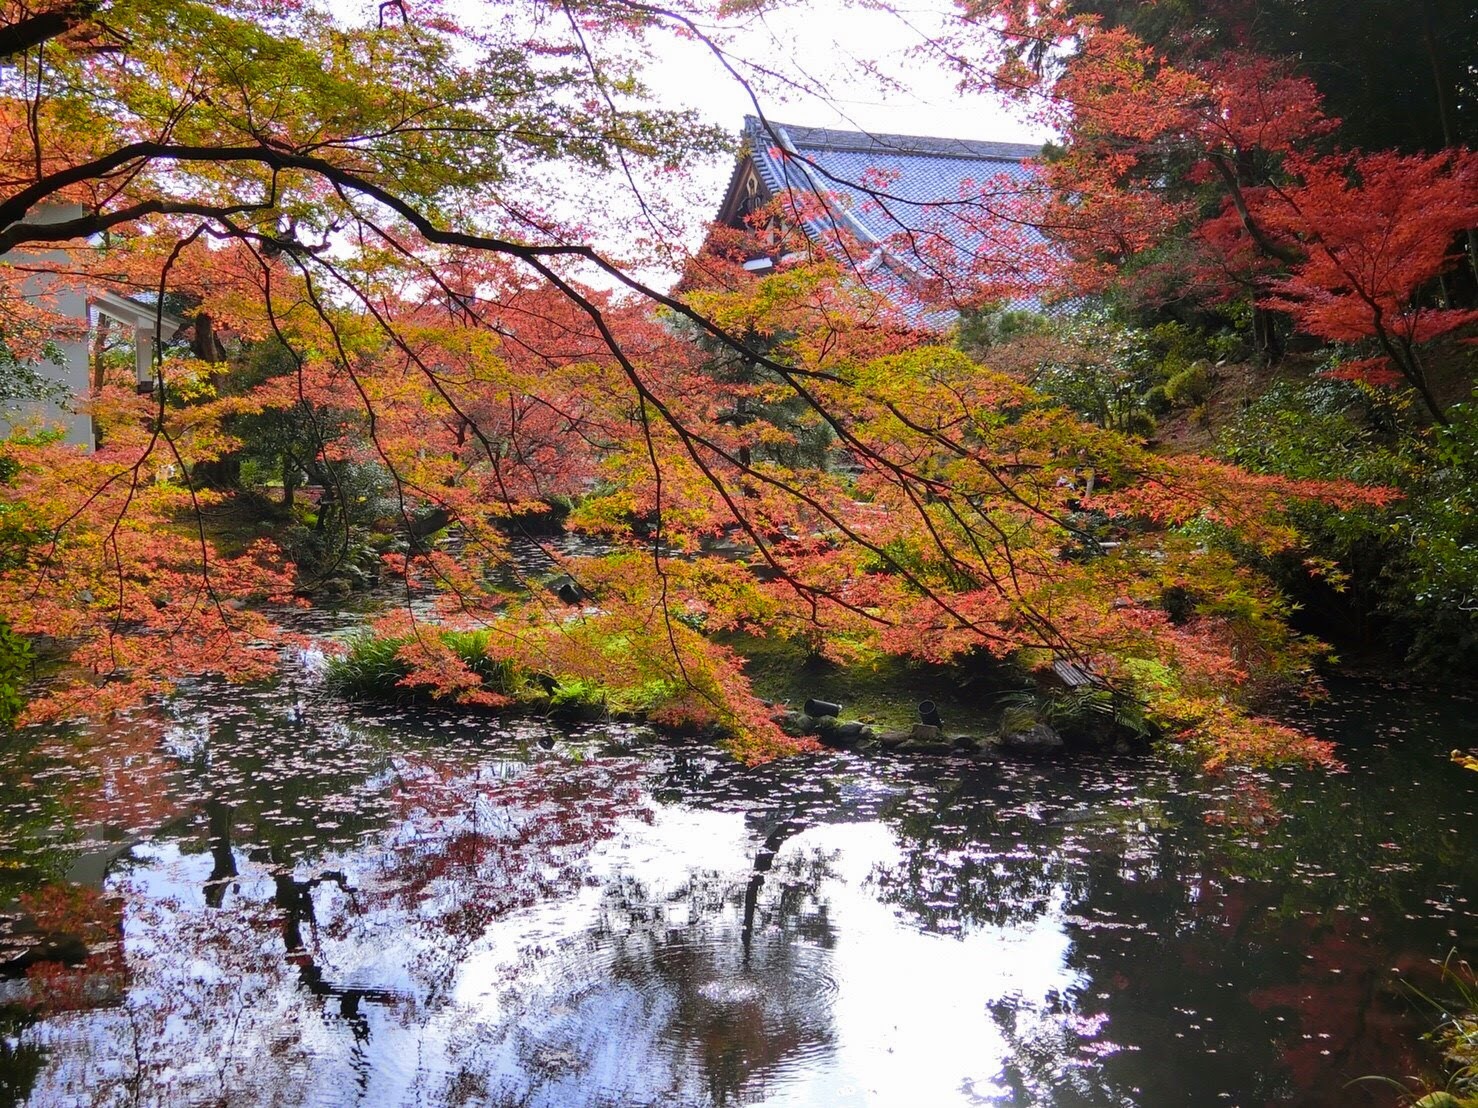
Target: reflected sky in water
<point>286,900</point>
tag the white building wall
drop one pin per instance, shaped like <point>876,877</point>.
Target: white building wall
<point>67,298</point>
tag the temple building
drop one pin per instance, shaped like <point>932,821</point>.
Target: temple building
<point>916,217</point>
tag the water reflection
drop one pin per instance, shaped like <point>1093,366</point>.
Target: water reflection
<point>271,898</point>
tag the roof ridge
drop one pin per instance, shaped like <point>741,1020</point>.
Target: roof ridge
<point>869,142</point>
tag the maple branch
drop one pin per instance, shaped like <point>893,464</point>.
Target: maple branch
<point>539,258</point>
<point>692,440</point>
<point>401,484</point>
<point>598,76</point>
<point>16,233</point>
<point>657,567</point>
<point>205,570</point>
<point>33,30</point>
<point>1273,249</point>
<point>86,226</point>
<point>1402,356</point>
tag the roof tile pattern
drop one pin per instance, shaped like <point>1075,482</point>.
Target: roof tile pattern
<point>916,205</point>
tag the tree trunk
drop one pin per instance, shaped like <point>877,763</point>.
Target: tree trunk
<point>1411,367</point>
<point>289,481</point>
<point>1265,339</point>
<point>223,472</point>
<point>1444,116</point>
<point>99,348</point>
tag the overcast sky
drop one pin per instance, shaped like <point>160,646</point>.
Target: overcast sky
<point>836,48</point>
<point>832,64</point>
<point>853,68</point>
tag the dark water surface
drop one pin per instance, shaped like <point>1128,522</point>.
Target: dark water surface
<point>290,901</point>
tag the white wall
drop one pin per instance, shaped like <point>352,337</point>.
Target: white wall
<point>69,299</point>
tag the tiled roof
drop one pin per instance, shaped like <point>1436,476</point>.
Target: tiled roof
<point>909,146</point>
<point>911,196</point>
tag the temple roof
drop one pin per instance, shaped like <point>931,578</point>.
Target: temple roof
<point>906,201</point>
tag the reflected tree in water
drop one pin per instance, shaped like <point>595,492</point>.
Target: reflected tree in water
<point>1203,946</point>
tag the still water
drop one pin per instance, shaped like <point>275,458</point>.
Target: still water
<point>287,900</point>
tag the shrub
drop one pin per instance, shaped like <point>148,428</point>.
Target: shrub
<point>1157,401</point>
<point>1413,564</point>
<point>1190,386</point>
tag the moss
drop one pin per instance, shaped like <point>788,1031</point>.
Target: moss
<point>1139,423</point>
<point>371,668</point>
<point>1190,387</point>
<point>886,693</point>
<point>232,524</point>
<point>16,658</point>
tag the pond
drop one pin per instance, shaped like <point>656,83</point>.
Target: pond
<point>289,900</point>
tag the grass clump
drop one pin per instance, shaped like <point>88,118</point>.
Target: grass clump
<point>368,667</point>
<point>377,666</point>
<point>1457,1039</point>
